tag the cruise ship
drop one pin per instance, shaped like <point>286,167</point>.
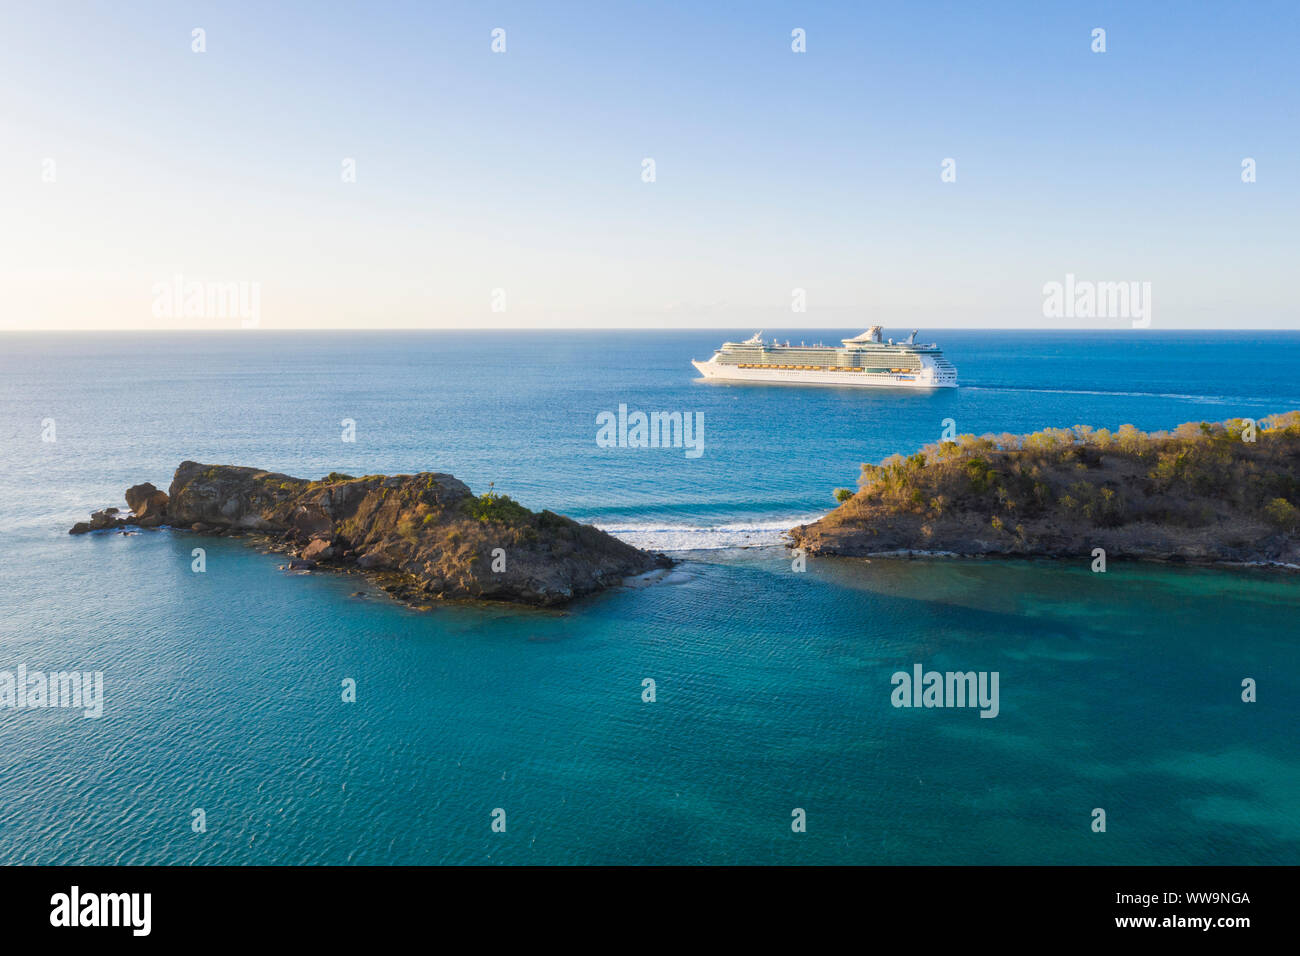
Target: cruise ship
<point>865,360</point>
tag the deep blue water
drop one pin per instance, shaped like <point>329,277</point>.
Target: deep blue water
<point>1119,691</point>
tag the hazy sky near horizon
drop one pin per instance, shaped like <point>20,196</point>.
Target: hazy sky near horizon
<point>130,160</point>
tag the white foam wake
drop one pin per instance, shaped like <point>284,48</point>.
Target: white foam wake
<point>1202,399</point>
<point>664,537</point>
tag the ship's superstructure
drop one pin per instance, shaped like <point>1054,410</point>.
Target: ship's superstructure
<point>864,360</point>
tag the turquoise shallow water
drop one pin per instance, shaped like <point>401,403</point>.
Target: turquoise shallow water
<point>1118,691</point>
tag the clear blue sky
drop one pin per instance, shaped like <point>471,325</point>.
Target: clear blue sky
<point>522,171</point>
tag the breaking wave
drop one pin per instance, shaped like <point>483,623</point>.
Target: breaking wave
<point>681,537</point>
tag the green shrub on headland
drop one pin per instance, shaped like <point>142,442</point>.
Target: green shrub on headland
<point>1102,478</point>
<point>1206,491</point>
<point>491,506</point>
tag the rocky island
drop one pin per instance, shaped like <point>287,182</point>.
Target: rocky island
<point>423,536</point>
<point>1206,493</point>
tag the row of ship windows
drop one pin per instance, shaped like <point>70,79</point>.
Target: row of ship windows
<point>795,355</point>
<point>826,368</point>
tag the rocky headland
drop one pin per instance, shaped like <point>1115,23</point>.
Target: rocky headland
<point>422,537</point>
<point>1205,493</point>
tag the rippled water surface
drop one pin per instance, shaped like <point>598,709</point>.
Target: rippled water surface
<point>222,690</point>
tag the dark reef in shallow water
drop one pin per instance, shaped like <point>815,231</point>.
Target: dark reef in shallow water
<point>426,536</point>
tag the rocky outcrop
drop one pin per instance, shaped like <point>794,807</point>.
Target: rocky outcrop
<point>148,510</point>
<point>146,501</point>
<point>1206,493</point>
<point>426,536</point>
<point>99,521</point>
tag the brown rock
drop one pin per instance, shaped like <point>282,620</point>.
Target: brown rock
<point>107,518</point>
<point>145,499</point>
<point>426,533</point>
<point>320,549</point>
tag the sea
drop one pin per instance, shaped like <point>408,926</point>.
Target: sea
<point>738,711</point>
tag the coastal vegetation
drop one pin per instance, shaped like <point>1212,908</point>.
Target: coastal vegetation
<point>1221,491</point>
<point>493,506</point>
<point>425,536</point>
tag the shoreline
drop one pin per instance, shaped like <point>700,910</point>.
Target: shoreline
<point>1220,494</point>
<point>918,554</point>
<point>424,537</point>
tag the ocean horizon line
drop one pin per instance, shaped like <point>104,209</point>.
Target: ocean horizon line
<point>583,328</point>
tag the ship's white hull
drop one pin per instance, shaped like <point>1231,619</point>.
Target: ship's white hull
<point>924,378</point>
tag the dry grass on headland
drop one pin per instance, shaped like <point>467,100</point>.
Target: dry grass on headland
<point>1205,492</point>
